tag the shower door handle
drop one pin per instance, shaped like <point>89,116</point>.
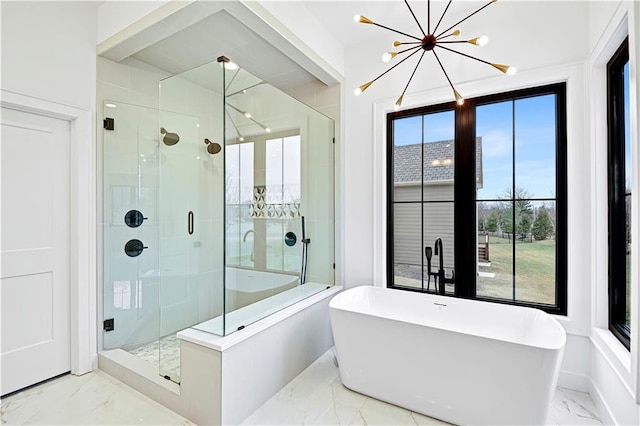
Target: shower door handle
<point>190,223</point>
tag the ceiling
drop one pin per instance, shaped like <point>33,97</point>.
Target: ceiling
<point>337,16</point>
<point>222,33</point>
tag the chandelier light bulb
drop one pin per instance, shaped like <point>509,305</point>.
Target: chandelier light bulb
<point>241,138</point>
<point>268,130</point>
<point>246,114</point>
<point>362,88</point>
<point>505,68</point>
<point>398,103</point>
<point>362,19</point>
<point>387,56</point>
<point>428,42</point>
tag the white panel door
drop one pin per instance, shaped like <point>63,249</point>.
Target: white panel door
<point>34,249</point>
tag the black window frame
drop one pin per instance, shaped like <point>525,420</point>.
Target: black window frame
<point>465,220</point>
<point>616,195</point>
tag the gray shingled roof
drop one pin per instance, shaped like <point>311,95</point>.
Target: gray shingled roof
<point>438,161</point>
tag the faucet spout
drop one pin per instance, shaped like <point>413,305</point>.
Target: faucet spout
<point>439,252</point>
<point>244,239</point>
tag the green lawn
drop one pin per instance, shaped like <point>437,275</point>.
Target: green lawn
<point>534,269</point>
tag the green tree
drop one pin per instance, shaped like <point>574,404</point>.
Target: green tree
<point>492,222</point>
<point>524,223</point>
<point>507,220</point>
<point>520,198</point>
<point>542,226</point>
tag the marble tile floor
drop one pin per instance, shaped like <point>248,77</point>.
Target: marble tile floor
<point>91,399</point>
<point>165,353</point>
<point>316,396</point>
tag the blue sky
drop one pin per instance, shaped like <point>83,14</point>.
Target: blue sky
<point>534,120</point>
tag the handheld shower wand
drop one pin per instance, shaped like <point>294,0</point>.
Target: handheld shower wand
<point>428,252</point>
<point>305,243</point>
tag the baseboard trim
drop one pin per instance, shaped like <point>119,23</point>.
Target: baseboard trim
<point>601,405</point>
<point>574,381</point>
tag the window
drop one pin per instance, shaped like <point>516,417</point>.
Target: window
<point>619,184</point>
<point>477,199</point>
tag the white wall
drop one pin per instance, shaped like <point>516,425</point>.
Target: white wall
<point>613,368</point>
<point>509,25</point>
<point>115,15</point>
<point>48,50</point>
<point>300,21</point>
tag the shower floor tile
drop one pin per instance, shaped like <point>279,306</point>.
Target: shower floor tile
<point>165,353</point>
<point>317,396</point>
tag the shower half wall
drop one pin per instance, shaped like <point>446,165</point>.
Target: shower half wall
<point>222,174</point>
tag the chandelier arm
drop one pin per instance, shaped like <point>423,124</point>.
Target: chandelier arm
<point>428,17</point>
<point>414,17</point>
<point>414,72</point>
<point>235,74</point>
<point>408,49</point>
<point>443,13</point>
<point>465,55</point>
<point>246,88</point>
<point>394,66</point>
<point>467,17</point>
<point>234,124</point>
<point>457,41</point>
<point>396,31</point>
<point>238,110</point>
<point>443,70</point>
<point>259,124</point>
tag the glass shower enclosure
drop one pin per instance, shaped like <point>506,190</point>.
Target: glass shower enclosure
<point>219,210</point>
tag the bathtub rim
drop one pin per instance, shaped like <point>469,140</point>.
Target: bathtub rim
<point>558,347</point>
<point>229,285</point>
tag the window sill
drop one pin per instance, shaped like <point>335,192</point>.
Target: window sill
<point>616,355</point>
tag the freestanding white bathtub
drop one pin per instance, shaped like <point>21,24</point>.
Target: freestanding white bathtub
<point>246,286</point>
<point>461,361</point>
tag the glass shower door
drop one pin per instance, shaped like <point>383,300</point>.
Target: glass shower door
<point>130,229</point>
<point>190,199</point>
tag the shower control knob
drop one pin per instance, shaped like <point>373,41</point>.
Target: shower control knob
<point>134,248</point>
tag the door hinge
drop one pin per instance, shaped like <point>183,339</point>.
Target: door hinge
<point>109,324</point>
<point>109,123</point>
<point>334,140</point>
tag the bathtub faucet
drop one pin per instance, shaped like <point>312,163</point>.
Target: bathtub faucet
<point>244,239</point>
<point>441,276</point>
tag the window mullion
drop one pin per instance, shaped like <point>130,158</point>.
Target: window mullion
<point>465,220</point>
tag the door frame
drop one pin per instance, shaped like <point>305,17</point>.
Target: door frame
<point>82,223</point>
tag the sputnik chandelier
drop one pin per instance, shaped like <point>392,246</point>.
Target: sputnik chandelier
<point>428,42</point>
<point>232,66</point>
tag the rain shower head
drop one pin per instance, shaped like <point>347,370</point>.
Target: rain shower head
<point>169,138</point>
<point>212,147</point>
